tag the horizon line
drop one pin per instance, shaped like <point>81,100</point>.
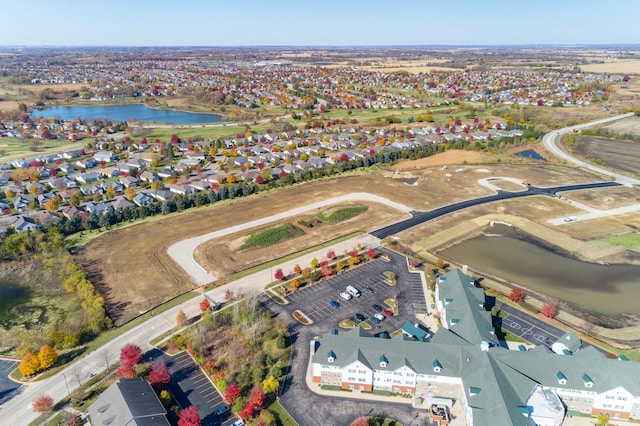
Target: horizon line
<point>625,44</point>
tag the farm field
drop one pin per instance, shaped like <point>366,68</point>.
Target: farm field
<point>620,155</point>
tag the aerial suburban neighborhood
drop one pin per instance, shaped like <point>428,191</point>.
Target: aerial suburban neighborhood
<point>361,214</point>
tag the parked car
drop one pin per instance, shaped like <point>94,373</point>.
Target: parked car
<point>222,410</point>
<point>345,295</point>
<point>353,291</point>
<point>369,289</point>
<point>334,304</point>
<point>379,316</point>
<point>377,308</point>
<point>359,317</point>
<point>238,423</point>
<point>375,319</point>
<point>387,313</point>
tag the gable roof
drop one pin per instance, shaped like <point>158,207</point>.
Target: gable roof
<point>128,402</point>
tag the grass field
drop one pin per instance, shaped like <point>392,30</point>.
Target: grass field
<point>270,236</point>
<point>628,241</point>
<point>338,214</point>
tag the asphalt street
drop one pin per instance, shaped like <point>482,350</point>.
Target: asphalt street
<point>8,388</point>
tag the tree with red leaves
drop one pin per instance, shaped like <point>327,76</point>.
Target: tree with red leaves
<point>371,254</point>
<point>360,421</point>
<point>126,372</point>
<point>279,274</point>
<point>354,253</point>
<point>326,271</point>
<point>232,393</point>
<point>42,404</point>
<point>331,255</point>
<point>205,305</point>
<point>175,139</point>
<point>549,309</point>
<point>130,355</point>
<point>343,158</point>
<point>516,295</point>
<point>159,375</point>
<point>189,417</point>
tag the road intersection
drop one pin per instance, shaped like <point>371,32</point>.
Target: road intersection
<point>18,409</point>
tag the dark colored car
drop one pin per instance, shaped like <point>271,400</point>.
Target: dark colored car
<point>369,289</point>
<point>374,319</point>
<point>334,304</point>
<point>222,410</point>
<point>359,317</point>
<point>377,308</point>
<point>387,313</point>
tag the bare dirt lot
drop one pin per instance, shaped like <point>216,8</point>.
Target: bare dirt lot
<point>131,269</point>
<point>620,155</point>
<point>628,126</point>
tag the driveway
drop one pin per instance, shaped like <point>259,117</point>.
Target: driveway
<point>309,408</point>
<point>190,386</point>
<point>8,388</point>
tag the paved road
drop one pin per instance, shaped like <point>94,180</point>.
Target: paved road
<point>17,410</point>
<point>550,141</point>
<point>8,388</point>
<point>418,218</point>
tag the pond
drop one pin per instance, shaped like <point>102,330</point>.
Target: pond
<point>11,295</point>
<point>531,154</point>
<point>129,113</point>
<point>591,287</point>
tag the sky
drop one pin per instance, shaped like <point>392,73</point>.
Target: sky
<point>317,22</point>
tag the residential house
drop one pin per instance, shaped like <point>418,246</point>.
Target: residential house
<point>104,156</point>
<point>23,223</point>
<point>88,177</point>
<point>131,402</point>
<point>121,203</point>
<point>46,218</point>
<point>97,208</point>
<point>149,177</point>
<point>142,199</point>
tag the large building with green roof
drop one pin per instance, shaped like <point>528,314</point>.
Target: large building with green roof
<point>464,361</point>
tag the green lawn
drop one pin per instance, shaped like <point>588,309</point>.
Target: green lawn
<point>270,236</point>
<point>14,148</point>
<point>339,214</point>
<point>628,241</point>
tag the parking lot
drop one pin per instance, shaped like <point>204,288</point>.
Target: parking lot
<point>8,387</point>
<point>190,386</point>
<point>314,300</point>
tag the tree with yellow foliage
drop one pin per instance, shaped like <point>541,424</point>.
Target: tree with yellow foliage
<point>130,193</point>
<point>47,356</point>
<point>29,364</point>
<point>270,384</point>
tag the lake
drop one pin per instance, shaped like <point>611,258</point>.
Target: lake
<point>591,287</point>
<point>531,154</point>
<point>11,295</point>
<point>140,112</point>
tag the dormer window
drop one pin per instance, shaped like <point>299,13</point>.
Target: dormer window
<point>562,379</point>
<point>437,367</point>
<point>331,356</point>
<point>588,383</point>
<point>383,361</point>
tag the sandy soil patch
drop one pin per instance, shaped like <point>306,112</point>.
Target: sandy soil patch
<point>628,126</point>
<point>609,199</point>
<point>453,156</point>
<point>132,284</point>
<point>221,256</point>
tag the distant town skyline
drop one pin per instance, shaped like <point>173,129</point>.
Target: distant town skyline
<point>329,23</point>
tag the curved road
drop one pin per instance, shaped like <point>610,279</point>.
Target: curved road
<point>17,411</point>
<point>550,141</point>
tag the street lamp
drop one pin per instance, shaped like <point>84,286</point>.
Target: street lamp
<point>66,384</point>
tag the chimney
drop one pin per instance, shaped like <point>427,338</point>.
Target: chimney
<point>464,269</point>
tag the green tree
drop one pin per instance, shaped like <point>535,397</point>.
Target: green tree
<point>76,199</point>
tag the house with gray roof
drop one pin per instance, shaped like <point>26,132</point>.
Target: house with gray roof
<point>130,402</point>
<point>495,385</point>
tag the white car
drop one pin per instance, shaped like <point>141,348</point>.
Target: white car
<point>570,219</point>
<point>379,316</point>
<point>345,295</point>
